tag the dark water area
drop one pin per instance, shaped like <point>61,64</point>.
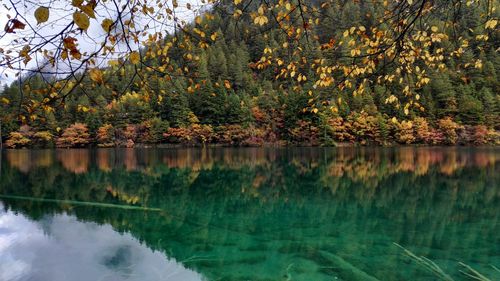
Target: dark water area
<point>250,214</point>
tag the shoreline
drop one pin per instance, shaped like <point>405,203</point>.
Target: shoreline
<point>269,145</point>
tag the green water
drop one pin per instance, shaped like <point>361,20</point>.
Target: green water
<point>248,214</point>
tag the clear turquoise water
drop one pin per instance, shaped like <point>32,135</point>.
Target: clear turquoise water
<point>248,214</point>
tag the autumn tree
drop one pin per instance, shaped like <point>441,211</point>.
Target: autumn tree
<point>76,135</point>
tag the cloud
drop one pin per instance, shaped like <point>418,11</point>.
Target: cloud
<point>60,248</point>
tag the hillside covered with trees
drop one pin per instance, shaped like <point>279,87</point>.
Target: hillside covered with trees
<point>236,92</point>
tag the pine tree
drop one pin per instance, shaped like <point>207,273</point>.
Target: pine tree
<point>470,110</point>
<point>444,94</point>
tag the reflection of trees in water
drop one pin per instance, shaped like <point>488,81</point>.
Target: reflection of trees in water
<point>267,174</point>
<point>360,163</point>
<point>74,160</point>
<point>25,160</point>
<point>283,202</point>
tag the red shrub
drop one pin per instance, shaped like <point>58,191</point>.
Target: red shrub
<point>480,135</point>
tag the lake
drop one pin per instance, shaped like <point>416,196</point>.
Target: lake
<point>250,214</point>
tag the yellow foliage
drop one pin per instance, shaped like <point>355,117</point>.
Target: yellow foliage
<point>261,20</point>
<point>491,24</point>
<point>95,75</point>
<point>134,57</point>
<point>89,10</point>
<point>76,3</point>
<point>41,14</point>
<point>106,24</point>
<point>81,20</point>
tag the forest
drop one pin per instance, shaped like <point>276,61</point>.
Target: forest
<point>232,96</point>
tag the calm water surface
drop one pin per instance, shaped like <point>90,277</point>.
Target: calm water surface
<point>248,214</point>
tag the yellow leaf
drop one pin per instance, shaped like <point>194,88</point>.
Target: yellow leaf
<point>198,20</point>
<point>25,53</point>
<point>227,84</point>
<point>491,24</point>
<point>406,111</point>
<point>76,3</point>
<point>81,20</point>
<point>237,2</point>
<point>434,29</point>
<point>41,15</point>
<point>394,120</point>
<point>260,20</point>
<point>87,9</point>
<point>96,75</point>
<point>106,24</point>
<point>315,110</point>
<point>113,63</point>
<point>134,57</point>
<point>237,13</point>
<point>213,36</point>
<point>83,108</point>
<point>5,100</point>
<point>478,64</point>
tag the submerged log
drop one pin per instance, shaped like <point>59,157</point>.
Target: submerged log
<point>347,270</point>
<point>81,203</point>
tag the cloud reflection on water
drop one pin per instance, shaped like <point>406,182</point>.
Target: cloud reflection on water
<point>47,250</point>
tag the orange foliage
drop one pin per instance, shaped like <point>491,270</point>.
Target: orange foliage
<point>232,134</point>
<point>259,115</point>
<point>76,135</point>
<point>16,139</point>
<point>21,138</point>
<point>106,136</point>
<point>404,132</point>
<point>363,127</point>
<point>339,129</point>
<point>304,133</point>
<point>480,135</point>
<point>449,130</point>
<point>422,130</point>
<point>195,134</point>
